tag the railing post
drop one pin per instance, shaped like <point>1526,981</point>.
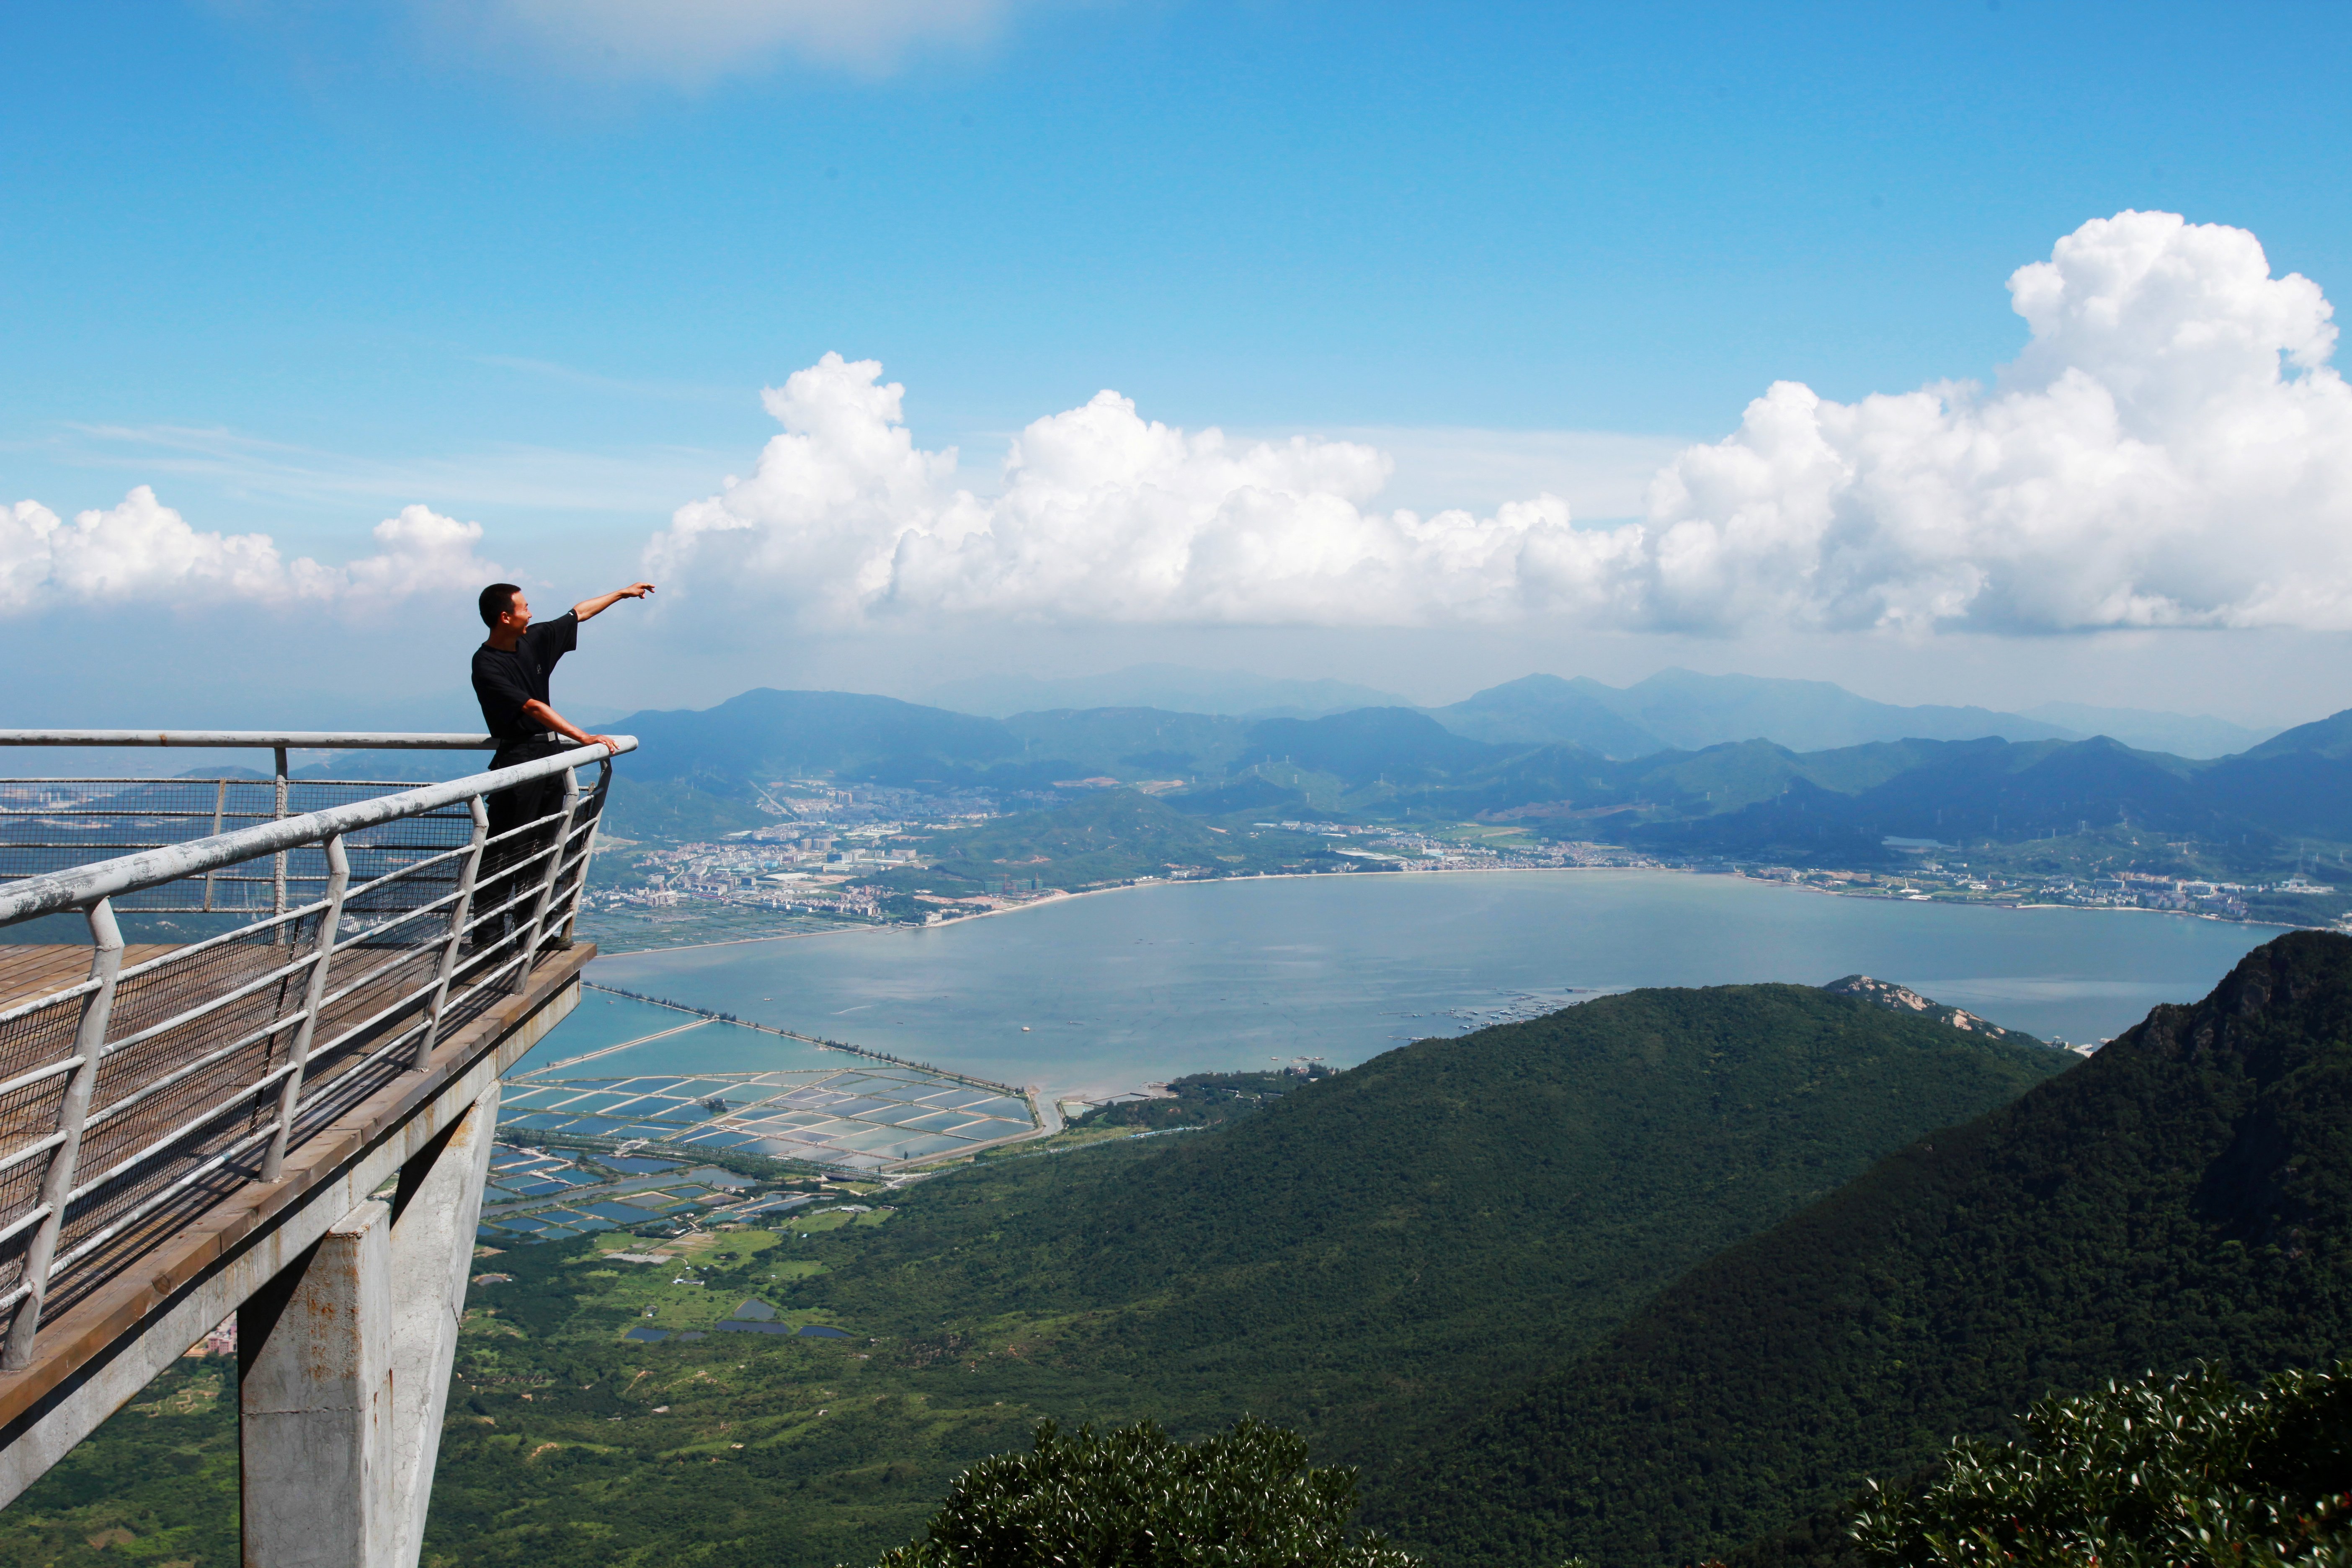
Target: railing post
<point>289,1092</point>
<point>220,808</point>
<point>547,883</point>
<point>278,872</point>
<point>89,1044</point>
<point>603,793</point>
<point>458,919</point>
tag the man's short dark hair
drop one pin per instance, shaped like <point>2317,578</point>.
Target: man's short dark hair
<point>497,600</point>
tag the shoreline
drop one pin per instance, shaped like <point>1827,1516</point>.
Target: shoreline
<point>1064,896</point>
<point>1435,871</point>
<point>1086,1080</point>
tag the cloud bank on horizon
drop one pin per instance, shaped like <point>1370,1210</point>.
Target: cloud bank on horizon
<point>2171,449</point>
<point>142,552</point>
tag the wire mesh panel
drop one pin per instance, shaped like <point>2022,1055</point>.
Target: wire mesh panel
<point>49,824</point>
<point>217,1051</point>
<point>36,1059</point>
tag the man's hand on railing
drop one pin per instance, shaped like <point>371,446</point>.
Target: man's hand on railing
<point>546,718</point>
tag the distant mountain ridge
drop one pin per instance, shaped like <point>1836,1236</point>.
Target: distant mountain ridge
<point>1673,709</point>
<point>1171,686</point>
<point>1751,800</point>
<point>1680,710</point>
<point>2182,734</point>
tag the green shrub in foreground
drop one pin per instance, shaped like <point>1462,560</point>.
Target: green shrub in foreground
<point>2182,1472</point>
<point>1134,1499</point>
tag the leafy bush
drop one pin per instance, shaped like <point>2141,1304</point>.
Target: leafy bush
<point>2178,1471</point>
<point>1239,1499</point>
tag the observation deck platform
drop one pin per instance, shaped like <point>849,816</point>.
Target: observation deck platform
<point>197,1263</point>
<point>288,1118</point>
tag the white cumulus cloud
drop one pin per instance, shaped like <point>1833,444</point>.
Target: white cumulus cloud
<point>2172,447</point>
<point>142,552</point>
<point>1106,516</point>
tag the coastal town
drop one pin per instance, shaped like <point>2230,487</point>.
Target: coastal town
<point>864,856</point>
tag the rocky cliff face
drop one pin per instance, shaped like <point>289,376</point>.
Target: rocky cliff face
<point>1902,999</point>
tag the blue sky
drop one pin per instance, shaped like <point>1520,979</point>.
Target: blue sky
<point>297,271</point>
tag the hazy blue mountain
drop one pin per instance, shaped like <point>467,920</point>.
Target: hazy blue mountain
<point>2330,737</point>
<point>2146,729</point>
<point>1831,810</point>
<point>1173,687</point>
<point>1691,710</point>
<point>764,734</point>
<point>1544,709</point>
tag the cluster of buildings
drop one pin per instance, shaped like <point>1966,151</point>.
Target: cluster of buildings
<point>2120,890</point>
<point>1422,852</point>
<point>814,867</point>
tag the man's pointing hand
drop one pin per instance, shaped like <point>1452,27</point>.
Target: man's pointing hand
<point>586,608</point>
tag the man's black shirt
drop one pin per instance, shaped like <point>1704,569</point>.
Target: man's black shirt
<point>504,681</point>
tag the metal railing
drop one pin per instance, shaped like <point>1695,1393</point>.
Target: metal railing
<point>135,1097</point>
<point>49,823</point>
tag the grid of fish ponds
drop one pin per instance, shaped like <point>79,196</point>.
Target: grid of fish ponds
<point>870,1117</point>
<point>525,1199</point>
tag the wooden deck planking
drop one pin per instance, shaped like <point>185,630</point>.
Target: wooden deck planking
<point>35,969</point>
<point>335,1075</point>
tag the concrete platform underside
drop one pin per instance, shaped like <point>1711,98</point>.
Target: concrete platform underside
<point>347,1305</point>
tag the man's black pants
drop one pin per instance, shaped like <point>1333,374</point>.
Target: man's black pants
<point>499,882</point>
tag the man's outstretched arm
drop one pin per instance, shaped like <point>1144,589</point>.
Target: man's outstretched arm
<point>588,608</point>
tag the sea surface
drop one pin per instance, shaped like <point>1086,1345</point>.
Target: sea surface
<point>1104,992</point>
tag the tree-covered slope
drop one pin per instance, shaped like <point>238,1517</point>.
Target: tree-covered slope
<point>1443,1221</point>
<point>2185,1193</point>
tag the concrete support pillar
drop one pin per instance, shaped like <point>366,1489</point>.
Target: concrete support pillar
<point>315,1402</point>
<point>344,1363</point>
<point>435,1213</point>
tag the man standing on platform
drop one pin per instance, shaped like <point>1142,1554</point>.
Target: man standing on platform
<point>511,672</point>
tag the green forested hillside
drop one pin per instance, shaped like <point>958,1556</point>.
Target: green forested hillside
<point>1438,1223</point>
<point>1203,1099</point>
<point>2185,1193</point>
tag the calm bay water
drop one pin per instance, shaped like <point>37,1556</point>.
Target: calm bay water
<point>1120,988</point>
